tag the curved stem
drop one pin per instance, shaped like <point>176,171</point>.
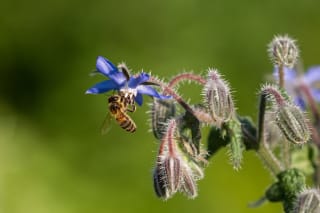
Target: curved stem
<point>186,76</point>
<point>171,92</point>
<point>264,151</point>
<point>269,159</point>
<point>262,108</point>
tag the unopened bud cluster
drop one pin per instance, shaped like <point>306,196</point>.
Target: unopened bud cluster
<point>289,184</point>
<point>283,51</point>
<point>175,170</point>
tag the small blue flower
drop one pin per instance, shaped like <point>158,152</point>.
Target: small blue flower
<point>294,81</point>
<point>119,81</point>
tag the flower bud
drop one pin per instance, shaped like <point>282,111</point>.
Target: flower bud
<point>289,118</point>
<point>189,186</point>
<point>196,169</point>
<point>308,201</point>
<point>283,51</point>
<point>272,132</point>
<point>159,184</point>
<point>167,177</point>
<point>161,111</point>
<point>218,98</point>
<point>172,171</point>
<point>292,123</point>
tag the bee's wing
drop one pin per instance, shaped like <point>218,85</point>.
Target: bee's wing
<point>106,124</point>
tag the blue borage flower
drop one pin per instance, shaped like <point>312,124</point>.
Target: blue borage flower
<point>293,82</point>
<point>121,82</point>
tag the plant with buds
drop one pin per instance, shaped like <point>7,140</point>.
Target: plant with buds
<point>281,130</point>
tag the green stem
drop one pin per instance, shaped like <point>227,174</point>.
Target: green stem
<point>286,153</point>
<point>285,146</point>
<point>264,151</point>
<point>281,76</point>
<point>269,159</point>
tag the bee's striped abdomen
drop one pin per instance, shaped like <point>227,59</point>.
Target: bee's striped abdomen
<point>127,123</point>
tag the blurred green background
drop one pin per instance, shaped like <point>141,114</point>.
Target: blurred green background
<point>52,157</point>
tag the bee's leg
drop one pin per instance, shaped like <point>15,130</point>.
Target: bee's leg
<point>132,109</point>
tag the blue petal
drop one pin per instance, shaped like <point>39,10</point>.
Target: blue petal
<point>298,100</point>
<point>105,67</point>
<point>135,81</point>
<point>103,86</point>
<point>289,74</point>
<point>139,99</point>
<point>316,94</point>
<point>312,75</point>
<point>148,90</point>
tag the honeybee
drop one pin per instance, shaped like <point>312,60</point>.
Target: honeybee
<point>119,105</point>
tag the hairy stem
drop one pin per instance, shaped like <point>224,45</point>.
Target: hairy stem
<point>186,76</point>
<point>264,151</point>
<point>285,145</point>
<point>286,153</point>
<point>171,92</point>
<point>281,76</point>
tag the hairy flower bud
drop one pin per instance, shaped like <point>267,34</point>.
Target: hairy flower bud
<point>283,51</point>
<point>161,111</point>
<point>308,201</point>
<point>189,186</point>
<point>289,118</point>
<point>292,123</point>
<point>172,169</point>
<point>159,184</point>
<point>168,167</point>
<point>217,97</point>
